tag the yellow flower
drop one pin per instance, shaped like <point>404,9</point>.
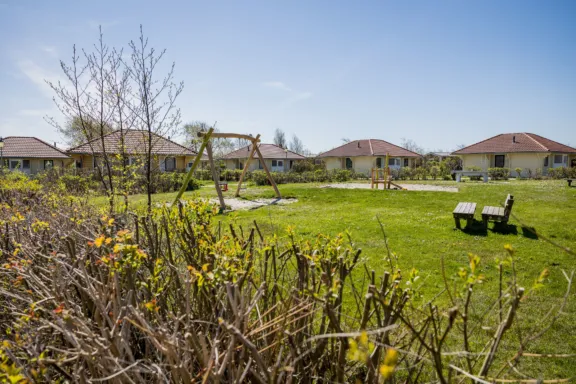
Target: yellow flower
<point>386,371</point>
<point>509,248</point>
<point>98,242</point>
<point>391,357</point>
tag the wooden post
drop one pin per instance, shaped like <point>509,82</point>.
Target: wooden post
<point>254,145</point>
<point>386,173</point>
<point>372,179</point>
<point>194,165</point>
<point>215,177</point>
<point>268,172</point>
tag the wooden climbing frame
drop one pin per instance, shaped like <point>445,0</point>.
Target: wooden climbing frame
<point>382,176</point>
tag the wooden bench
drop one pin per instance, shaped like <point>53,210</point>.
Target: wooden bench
<point>499,214</point>
<point>569,182</point>
<point>464,211</point>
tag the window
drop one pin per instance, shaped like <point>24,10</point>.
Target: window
<point>240,165</point>
<point>169,164</point>
<point>499,161</point>
<point>394,162</point>
<point>558,159</point>
<point>280,163</point>
<point>26,164</point>
<point>48,164</point>
<point>546,161</point>
<point>274,163</point>
<point>349,164</point>
<point>260,165</point>
<point>378,162</point>
<point>15,164</point>
<point>78,163</point>
<point>406,162</point>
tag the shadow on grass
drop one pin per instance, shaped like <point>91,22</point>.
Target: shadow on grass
<point>475,229</point>
<point>529,233</point>
<point>505,229</point>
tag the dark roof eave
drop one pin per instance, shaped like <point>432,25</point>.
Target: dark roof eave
<point>499,152</point>
<point>374,155</point>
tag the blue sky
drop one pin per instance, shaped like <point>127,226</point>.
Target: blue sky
<point>442,73</point>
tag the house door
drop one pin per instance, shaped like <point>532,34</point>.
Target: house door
<point>499,161</point>
<point>277,165</point>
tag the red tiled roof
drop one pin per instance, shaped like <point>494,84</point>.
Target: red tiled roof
<point>515,142</point>
<point>30,147</point>
<point>136,142</point>
<point>269,151</point>
<point>369,147</point>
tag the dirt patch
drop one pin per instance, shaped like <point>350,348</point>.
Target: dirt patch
<point>408,187</point>
<point>241,204</point>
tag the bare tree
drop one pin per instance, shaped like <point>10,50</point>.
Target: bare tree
<point>296,145</point>
<point>345,140</point>
<point>411,145</point>
<point>153,101</point>
<point>125,117</point>
<point>84,101</point>
<point>72,133</point>
<point>280,138</point>
<point>241,143</point>
<point>220,146</point>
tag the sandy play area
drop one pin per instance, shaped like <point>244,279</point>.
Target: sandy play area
<point>409,187</point>
<point>241,204</point>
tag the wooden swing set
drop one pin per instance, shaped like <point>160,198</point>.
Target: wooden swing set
<point>382,176</point>
<point>207,145</point>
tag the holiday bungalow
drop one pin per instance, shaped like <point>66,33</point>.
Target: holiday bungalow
<point>30,155</point>
<point>277,159</point>
<point>363,155</point>
<point>168,155</point>
<point>526,151</point>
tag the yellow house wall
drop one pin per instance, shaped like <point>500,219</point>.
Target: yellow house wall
<point>332,163</point>
<point>254,164</point>
<point>532,161</point>
<point>526,161</point>
<point>360,164</point>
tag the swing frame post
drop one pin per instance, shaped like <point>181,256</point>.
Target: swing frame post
<point>194,165</point>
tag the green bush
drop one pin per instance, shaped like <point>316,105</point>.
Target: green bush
<point>499,173</point>
<point>308,165</point>
<point>341,175</point>
<point>518,172</point>
<point>562,173</point>
<point>77,184</point>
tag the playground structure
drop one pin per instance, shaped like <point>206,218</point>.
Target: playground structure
<point>207,145</point>
<point>382,176</point>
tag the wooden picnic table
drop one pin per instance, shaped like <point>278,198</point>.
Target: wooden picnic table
<point>464,210</point>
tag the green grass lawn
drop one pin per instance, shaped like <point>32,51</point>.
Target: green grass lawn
<point>420,230</point>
